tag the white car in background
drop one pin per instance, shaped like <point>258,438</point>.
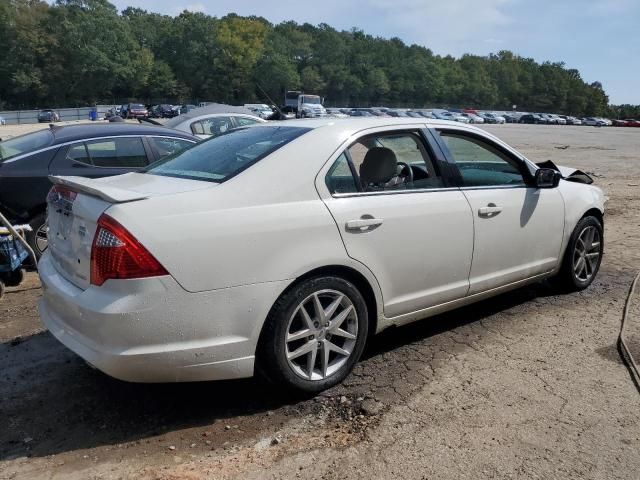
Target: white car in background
<point>452,116</point>
<point>473,118</point>
<point>213,120</point>
<point>2,121</point>
<point>279,248</point>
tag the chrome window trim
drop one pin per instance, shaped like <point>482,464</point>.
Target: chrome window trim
<point>66,144</point>
<point>428,190</point>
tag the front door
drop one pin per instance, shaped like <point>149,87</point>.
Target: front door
<point>396,217</point>
<point>518,228</point>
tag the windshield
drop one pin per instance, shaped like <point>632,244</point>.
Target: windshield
<point>24,143</point>
<point>223,157</point>
<point>137,106</point>
<point>310,99</point>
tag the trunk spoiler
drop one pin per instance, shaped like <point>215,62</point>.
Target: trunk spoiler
<point>98,189</point>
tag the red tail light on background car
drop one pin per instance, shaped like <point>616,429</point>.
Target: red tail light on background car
<point>117,254</point>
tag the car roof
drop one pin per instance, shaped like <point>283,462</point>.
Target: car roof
<point>70,133</point>
<point>352,125</point>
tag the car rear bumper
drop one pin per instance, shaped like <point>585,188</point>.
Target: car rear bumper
<point>152,330</point>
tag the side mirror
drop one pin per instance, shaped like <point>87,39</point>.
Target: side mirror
<point>547,178</point>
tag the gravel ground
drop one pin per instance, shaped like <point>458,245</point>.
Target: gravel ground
<point>527,385</point>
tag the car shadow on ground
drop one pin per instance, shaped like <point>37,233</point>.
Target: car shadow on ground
<point>52,402</point>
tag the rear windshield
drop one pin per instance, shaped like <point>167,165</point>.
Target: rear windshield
<point>222,157</point>
<point>25,143</point>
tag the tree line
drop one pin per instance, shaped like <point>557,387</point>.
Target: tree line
<point>82,52</point>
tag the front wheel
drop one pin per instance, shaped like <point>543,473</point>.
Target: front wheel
<point>314,335</point>
<point>583,256</point>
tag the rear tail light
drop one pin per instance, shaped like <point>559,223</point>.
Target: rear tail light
<point>117,254</point>
<point>60,192</point>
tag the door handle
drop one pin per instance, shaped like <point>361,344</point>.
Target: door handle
<point>363,224</point>
<point>490,210</point>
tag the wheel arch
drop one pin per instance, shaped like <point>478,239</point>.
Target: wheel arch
<point>351,274</point>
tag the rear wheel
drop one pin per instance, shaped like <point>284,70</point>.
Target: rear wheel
<point>314,335</point>
<point>37,238</point>
<point>583,256</point>
<point>14,278</point>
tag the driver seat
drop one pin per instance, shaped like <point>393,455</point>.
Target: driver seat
<point>379,169</point>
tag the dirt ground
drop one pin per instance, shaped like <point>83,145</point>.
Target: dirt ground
<point>527,385</point>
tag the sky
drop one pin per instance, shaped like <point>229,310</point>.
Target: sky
<point>601,38</point>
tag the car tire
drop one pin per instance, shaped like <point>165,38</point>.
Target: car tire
<point>582,257</point>
<point>37,237</point>
<point>15,278</point>
<point>323,362</point>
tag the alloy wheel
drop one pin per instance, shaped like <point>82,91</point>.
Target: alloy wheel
<point>321,334</point>
<point>41,241</point>
<point>586,254</point>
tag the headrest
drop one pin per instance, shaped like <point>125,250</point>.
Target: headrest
<point>379,166</point>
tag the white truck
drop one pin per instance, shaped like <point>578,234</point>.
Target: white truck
<point>303,104</point>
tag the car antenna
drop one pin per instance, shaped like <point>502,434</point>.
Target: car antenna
<point>281,115</point>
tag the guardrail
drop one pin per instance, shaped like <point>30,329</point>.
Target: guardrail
<point>17,117</point>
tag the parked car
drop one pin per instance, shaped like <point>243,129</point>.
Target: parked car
<point>594,122</point>
<point>213,120</point>
<point>492,118</point>
<point>620,123</point>
<point>48,116</point>
<point>134,110</point>
<point>397,113</point>
<point>473,118</point>
<point>236,257</point>
<point>632,123</point>
<point>2,121</point>
<point>571,120</point>
<point>88,150</point>
<point>451,116</point>
<point>163,110</point>
<point>336,113</point>
<point>357,112</point>
<point>532,118</point>
<point>556,119</point>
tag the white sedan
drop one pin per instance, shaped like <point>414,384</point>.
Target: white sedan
<point>280,248</point>
<point>213,120</point>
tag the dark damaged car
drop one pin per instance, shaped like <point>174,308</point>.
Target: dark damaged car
<point>89,150</point>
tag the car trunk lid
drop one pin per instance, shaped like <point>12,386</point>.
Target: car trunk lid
<point>75,204</point>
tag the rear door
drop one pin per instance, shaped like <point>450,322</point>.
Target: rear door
<point>413,232</point>
<point>102,157</point>
<point>518,228</point>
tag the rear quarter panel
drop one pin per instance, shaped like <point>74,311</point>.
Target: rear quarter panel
<point>266,224</point>
<point>24,185</point>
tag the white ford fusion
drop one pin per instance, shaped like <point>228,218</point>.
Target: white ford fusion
<point>280,248</point>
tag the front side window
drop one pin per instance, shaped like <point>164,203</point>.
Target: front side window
<point>480,163</point>
<point>393,161</point>
<point>222,157</point>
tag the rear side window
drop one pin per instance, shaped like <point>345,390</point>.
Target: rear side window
<point>24,144</point>
<point>214,126</point>
<point>393,161</point>
<point>223,157</point>
<point>243,121</point>
<point>339,178</point>
<point>126,152</point>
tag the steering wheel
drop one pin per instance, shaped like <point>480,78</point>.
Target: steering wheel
<point>409,175</point>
